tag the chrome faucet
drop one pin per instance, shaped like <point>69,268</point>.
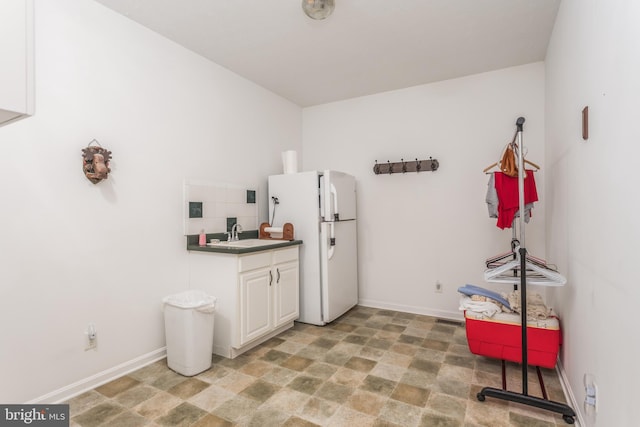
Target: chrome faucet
<point>237,228</point>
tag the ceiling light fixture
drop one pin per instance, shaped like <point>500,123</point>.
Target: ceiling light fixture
<point>318,9</point>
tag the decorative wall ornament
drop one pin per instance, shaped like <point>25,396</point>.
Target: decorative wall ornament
<point>95,162</point>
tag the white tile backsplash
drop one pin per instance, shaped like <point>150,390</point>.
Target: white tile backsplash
<point>220,193</point>
<point>222,210</point>
<point>219,202</point>
<point>218,224</point>
<point>208,209</point>
<point>195,225</point>
<point>246,209</point>
<point>237,195</point>
<point>198,193</point>
<point>248,222</point>
<point>212,224</point>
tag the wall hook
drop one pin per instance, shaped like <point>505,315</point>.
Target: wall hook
<point>417,166</point>
<point>434,164</point>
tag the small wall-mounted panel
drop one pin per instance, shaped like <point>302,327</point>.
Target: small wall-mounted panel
<point>195,209</point>
<point>231,221</point>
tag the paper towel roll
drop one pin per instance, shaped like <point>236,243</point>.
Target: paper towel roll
<point>290,161</point>
<point>273,229</point>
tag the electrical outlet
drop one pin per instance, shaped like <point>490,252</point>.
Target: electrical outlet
<point>591,396</point>
<point>91,342</point>
<point>591,392</point>
<point>438,287</point>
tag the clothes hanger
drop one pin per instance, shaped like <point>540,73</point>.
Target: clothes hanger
<point>488,168</point>
<point>536,274</point>
<point>512,144</point>
<point>495,261</point>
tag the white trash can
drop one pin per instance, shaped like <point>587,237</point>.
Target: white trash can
<point>188,323</point>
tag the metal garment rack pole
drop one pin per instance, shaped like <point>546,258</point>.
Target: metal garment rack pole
<point>568,414</point>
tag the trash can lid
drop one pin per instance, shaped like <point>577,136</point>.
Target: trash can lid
<point>190,299</point>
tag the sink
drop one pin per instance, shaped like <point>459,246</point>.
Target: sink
<point>246,243</point>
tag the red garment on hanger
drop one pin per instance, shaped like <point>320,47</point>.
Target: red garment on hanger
<point>507,189</point>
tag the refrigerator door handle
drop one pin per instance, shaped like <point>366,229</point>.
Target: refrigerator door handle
<point>332,240</point>
<point>334,195</point>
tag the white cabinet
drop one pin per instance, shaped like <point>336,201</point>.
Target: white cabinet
<point>256,304</point>
<point>257,295</point>
<point>286,293</point>
<point>16,59</point>
<point>269,292</point>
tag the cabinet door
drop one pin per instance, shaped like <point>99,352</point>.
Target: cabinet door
<point>286,292</point>
<point>255,304</point>
<point>16,50</point>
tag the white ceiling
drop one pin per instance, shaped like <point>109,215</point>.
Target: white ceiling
<point>365,47</point>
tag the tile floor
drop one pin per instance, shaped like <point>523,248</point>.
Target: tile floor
<point>371,367</point>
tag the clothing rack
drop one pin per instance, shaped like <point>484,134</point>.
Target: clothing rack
<point>568,414</point>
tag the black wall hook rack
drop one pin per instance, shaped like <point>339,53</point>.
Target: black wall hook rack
<point>416,165</point>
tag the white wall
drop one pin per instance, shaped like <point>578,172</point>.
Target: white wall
<point>592,198</point>
<point>72,252</point>
<point>416,229</point>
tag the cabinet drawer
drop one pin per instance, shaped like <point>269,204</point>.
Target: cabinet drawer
<point>284,255</point>
<point>253,261</point>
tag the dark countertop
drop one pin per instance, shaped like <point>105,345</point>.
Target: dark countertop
<point>240,250</point>
<point>192,244</point>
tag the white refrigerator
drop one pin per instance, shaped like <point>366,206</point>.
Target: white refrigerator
<point>321,205</point>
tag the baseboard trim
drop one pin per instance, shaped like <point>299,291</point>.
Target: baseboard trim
<point>65,393</point>
<point>443,314</point>
<point>569,395</point>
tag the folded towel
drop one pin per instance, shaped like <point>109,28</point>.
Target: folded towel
<point>484,307</point>
<point>536,309</point>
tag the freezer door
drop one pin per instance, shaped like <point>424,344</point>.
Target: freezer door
<point>339,266</point>
<point>338,196</point>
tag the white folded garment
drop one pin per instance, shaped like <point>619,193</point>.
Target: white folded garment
<point>484,307</point>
